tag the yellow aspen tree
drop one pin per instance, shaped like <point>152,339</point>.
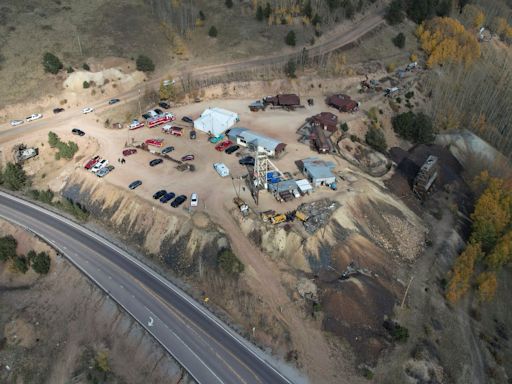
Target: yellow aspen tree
<point>487,285</point>
<point>462,272</point>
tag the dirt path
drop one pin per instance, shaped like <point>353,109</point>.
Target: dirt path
<point>263,276</point>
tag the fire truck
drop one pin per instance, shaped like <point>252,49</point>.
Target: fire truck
<point>160,119</point>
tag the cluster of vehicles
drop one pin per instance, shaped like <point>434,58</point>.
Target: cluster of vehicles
<point>99,166</point>
<point>37,116</point>
<point>164,196</point>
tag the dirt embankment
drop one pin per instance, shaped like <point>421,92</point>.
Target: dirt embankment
<point>186,247</point>
<point>370,231</point>
<point>53,328</point>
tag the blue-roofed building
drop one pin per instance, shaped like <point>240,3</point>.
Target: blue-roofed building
<point>319,172</point>
<point>256,141</point>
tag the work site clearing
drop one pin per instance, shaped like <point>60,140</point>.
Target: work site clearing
<point>329,236</point>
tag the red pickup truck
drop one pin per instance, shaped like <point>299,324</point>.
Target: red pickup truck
<point>222,146</point>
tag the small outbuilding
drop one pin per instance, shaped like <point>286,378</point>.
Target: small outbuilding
<point>304,186</point>
<point>319,172</point>
<point>256,141</point>
<point>326,120</point>
<point>343,103</point>
<point>216,121</point>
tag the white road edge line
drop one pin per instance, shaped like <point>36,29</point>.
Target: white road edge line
<point>253,349</point>
<point>141,323</point>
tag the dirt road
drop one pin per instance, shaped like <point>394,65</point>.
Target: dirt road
<point>337,40</point>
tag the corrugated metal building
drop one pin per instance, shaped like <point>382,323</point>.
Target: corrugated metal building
<point>319,172</point>
<point>256,141</point>
<point>343,103</point>
<point>326,120</point>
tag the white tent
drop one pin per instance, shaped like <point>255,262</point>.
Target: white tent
<point>216,121</point>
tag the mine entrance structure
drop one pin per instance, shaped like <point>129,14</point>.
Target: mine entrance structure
<point>265,172</point>
<point>425,179</point>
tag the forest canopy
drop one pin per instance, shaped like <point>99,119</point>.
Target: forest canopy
<point>446,40</point>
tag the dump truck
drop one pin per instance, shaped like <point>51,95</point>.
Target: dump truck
<point>242,205</point>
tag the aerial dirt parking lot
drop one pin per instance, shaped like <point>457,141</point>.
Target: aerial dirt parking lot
<point>214,191</point>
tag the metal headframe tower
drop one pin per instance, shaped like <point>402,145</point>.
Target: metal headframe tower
<point>262,166</point>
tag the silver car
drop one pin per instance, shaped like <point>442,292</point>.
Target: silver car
<point>16,122</point>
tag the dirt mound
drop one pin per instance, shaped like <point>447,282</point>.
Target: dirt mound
<point>408,165</point>
<point>75,81</point>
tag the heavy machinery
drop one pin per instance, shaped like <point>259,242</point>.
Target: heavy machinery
<point>242,205</point>
<point>301,216</point>
<point>278,219</point>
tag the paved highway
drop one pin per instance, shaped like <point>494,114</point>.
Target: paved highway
<point>210,351</point>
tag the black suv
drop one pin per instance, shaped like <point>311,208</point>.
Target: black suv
<point>164,105</point>
<point>78,132</point>
<point>159,194</point>
<point>58,110</point>
<point>154,162</point>
<point>178,201</point>
<point>167,197</point>
<point>232,149</point>
<point>187,119</point>
<point>248,160</point>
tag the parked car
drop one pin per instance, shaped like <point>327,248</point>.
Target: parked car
<point>154,142</point>
<point>154,162</point>
<point>164,105</point>
<point>34,117</point>
<point>92,162</point>
<point>223,145</point>
<point>232,149</point>
<point>100,164</point>
<point>58,110</point>
<point>167,197</point>
<point>159,194</point>
<point>193,135</point>
<point>113,101</point>
<point>129,151</point>
<point>215,139</point>
<point>248,160</point>
<point>135,184</point>
<point>16,122</point>
<point>87,110</point>
<point>78,132</point>
<point>105,171</point>
<point>178,201</point>
<point>146,116</point>
<point>187,119</point>
<point>221,169</point>
<point>194,200</point>
<point>158,111</point>
<point>168,149</point>
<point>187,158</point>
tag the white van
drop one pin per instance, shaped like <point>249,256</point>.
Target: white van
<point>221,169</point>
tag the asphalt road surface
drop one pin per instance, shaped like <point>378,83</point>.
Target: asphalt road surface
<point>209,350</point>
